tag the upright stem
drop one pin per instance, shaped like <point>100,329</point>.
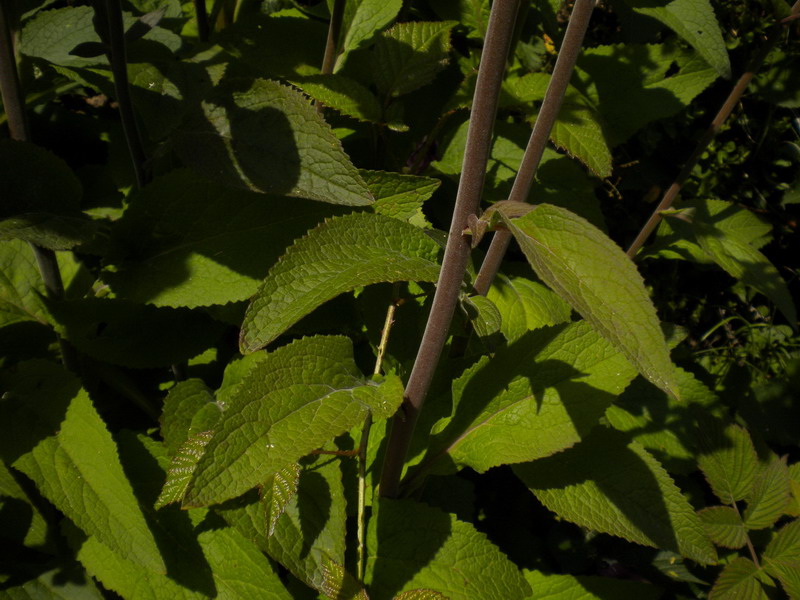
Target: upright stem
<point>13,101</point>
<point>119,69</point>
<point>334,29</point>
<point>14,105</point>
<point>456,254</point>
<point>201,14</point>
<point>562,72</point>
<point>363,444</point>
<point>724,112</point>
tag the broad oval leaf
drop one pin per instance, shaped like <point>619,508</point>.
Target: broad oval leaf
<point>769,496</point>
<point>267,137</point>
<point>614,486</point>
<point>294,401</point>
<point>694,21</point>
<point>411,545</point>
<point>588,587</point>
<point>338,256</point>
<point>583,266</point>
<point>728,460</point>
<point>541,394</point>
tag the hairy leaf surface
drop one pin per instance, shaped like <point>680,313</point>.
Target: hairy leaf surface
<point>338,256</point>
<point>526,305</point>
<point>300,397</point>
<point>614,486</point>
<point>583,266</point>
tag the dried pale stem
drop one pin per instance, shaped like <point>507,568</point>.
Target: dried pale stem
<point>119,69</point>
<point>724,112</point>
<point>362,447</point>
<point>14,106</point>
<point>456,255</point>
<point>562,72</point>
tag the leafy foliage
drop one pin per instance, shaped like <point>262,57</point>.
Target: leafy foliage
<point>237,315</point>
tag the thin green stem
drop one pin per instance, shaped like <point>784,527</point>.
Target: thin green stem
<point>456,254</point>
<point>520,191</point>
<point>724,112</point>
<point>332,41</point>
<point>363,444</point>
<point>119,69</point>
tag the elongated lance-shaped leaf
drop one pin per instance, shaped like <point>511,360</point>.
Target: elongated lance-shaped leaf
<point>610,485</point>
<point>411,546</point>
<point>738,581</point>
<point>51,431</point>
<point>363,19</point>
<point>269,138</point>
<point>728,460</point>
<point>747,264</point>
<point>338,256</point>
<point>590,272</point>
<point>297,399</point>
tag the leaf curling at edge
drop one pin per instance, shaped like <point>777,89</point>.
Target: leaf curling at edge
<point>337,256</point>
<point>574,259</point>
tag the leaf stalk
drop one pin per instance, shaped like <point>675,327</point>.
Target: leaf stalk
<point>456,254</point>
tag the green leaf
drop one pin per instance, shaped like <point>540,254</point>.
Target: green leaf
<point>409,55</point>
<point>614,486</point>
<point>420,595</point>
<point>577,130</point>
<point>181,405</point>
<point>276,493</point>
<point>583,266</point>
<point>631,85</point>
<point>183,467</point>
<point>21,522</point>
<point>770,495</point>
<point>363,19</point>
<point>343,94</point>
<point>724,526</point>
<point>694,21</point>
<point>665,427</point>
<point>54,435</point>
<point>338,256</point>
<point>526,305</point>
<point>267,137</point>
<point>53,34</point>
<point>41,198</point>
<point>339,584</point>
<point>58,584</point>
<point>310,386</point>
<point>400,196</point>
<point>738,581</point>
<point>410,545</point>
<point>310,534</point>
<point>471,14</point>
<point>131,334</point>
<point>781,559</point>
<point>483,315</point>
<point>21,286</point>
<point>185,241</point>
<point>742,261</point>
<point>541,394</point>
<point>586,587</point>
<point>728,460</point>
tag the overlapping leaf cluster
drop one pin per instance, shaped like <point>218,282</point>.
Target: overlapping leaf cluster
<point>225,430</point>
